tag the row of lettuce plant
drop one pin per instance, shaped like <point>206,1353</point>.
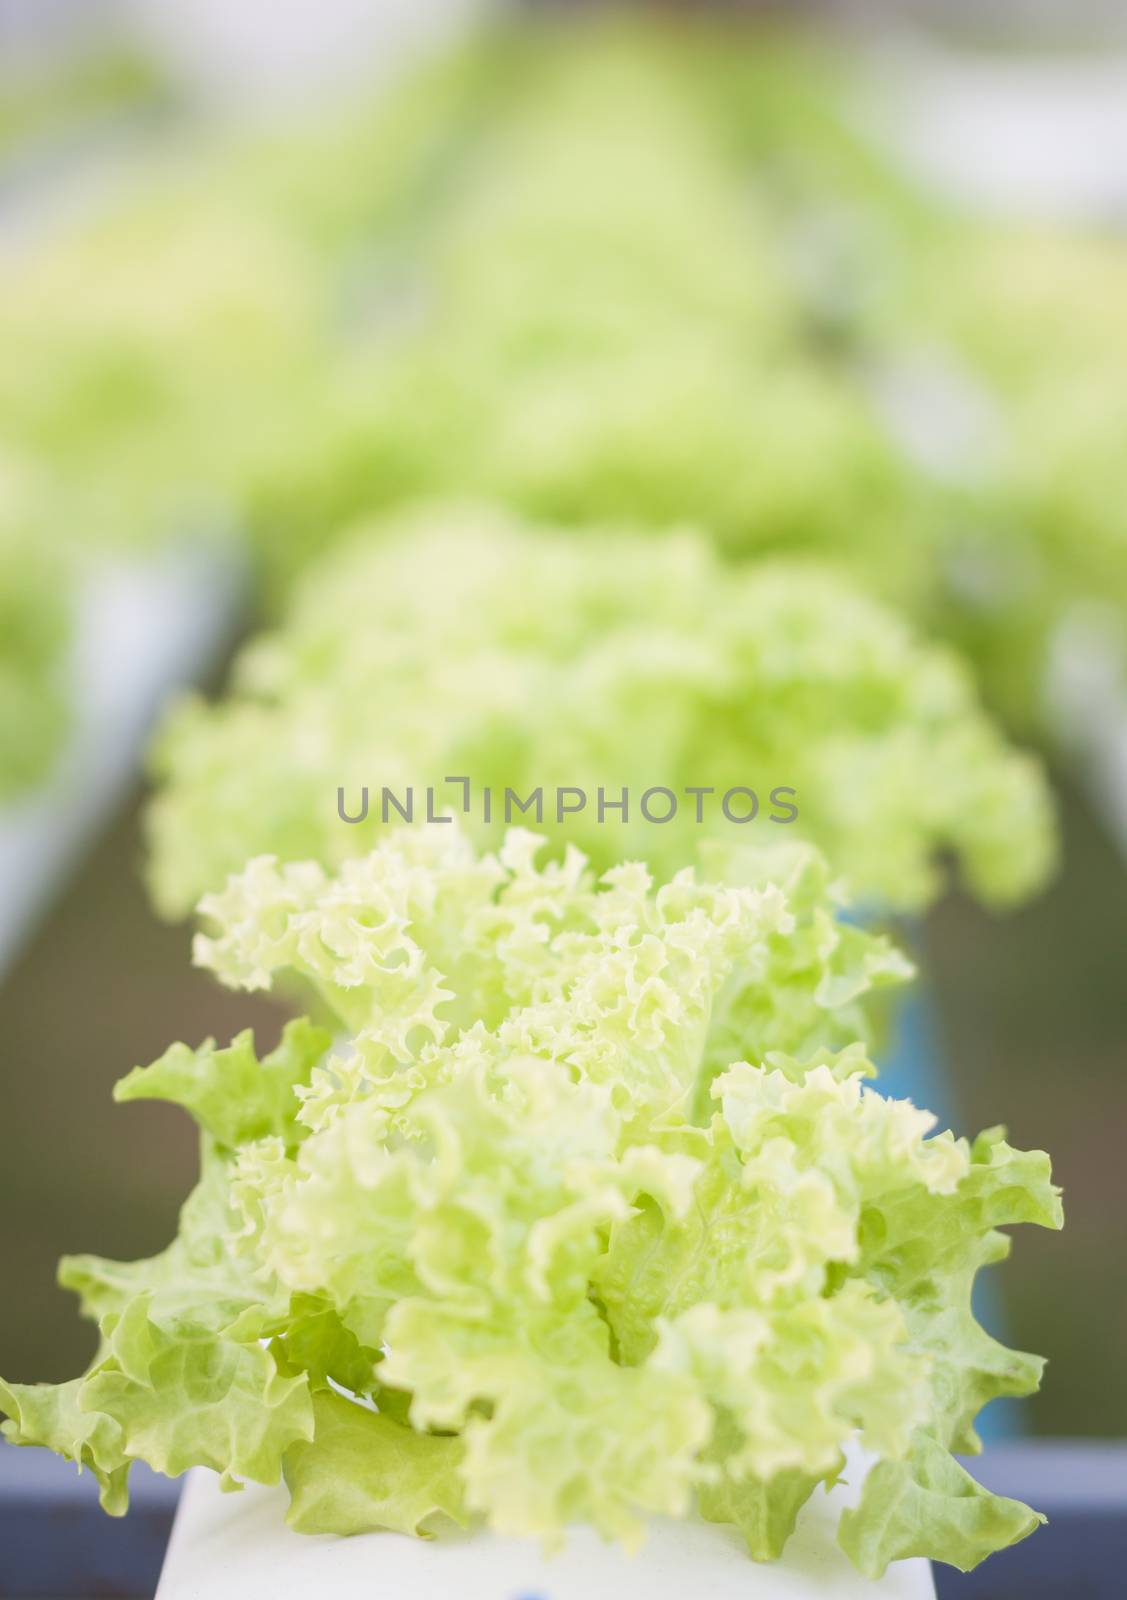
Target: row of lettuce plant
<point>161,352</point>
<point>428,295</point>
<point>447,1193</point>
<point>455,641</point>
<point>566,1199</point>
<point>1015,326</point>
<point>571,274</point>
<point>154,348</point>
<point>603,330</point>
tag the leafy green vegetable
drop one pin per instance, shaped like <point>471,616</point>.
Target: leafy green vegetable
<point>1021,324</point>
<point>363,1471</point>
<point>603,326</point>
<point>764,1510</point>
<point>167,351</point>
<point>586,1213</point>
<point>186,1396</point>
<point>232,1095</point>
<point>53,1415</point>
<point>457,644</point>
<point>1037,318</point>
<point>615,274</point>
<point>907,1506</point>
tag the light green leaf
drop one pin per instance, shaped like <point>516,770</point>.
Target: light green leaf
<point>186,1397</point>
<point>232,1095</point>
<point>925,1248</point>
<point>927,1505</point>
<point>362,1471</point>
<point>765,1510</point>
<point>204,1276</point>
<point>311,1338</point>
<point>52,1415</point>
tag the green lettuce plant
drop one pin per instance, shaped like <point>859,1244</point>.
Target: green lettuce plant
<point>164,352</point>
<point>603,326</point>
<point>142,354</point>
<point>1037,318</point>
<point>453,642</point>
<point>581,1209</point>
<point>1020,325</point>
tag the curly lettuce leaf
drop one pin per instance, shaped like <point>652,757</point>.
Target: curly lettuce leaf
<point>170,343</point>
<point>588,1213</point>
<point>174,1393</point>
<point>926,1504</point>
<point>528,662</point>
<point>205,1275</point>
<point>184,1396</point>
<point>53,1415</point>
<point>926,1249</point>
<point>764,1510</point>
<point>231,1094</point>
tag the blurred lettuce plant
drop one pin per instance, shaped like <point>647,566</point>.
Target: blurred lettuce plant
<point>604,273</point>
<point>455,642</point>
<point>1026,521</point>
<point>141,360</point>
<point>61,100</point>
<point>161,355</point>
<point>604,328</point>
<point>1038,317</point>
<point>35,631</point>
<point>586,1213</point>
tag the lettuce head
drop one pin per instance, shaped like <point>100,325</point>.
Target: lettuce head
<point>579,1208</point>
<point>455,641</point>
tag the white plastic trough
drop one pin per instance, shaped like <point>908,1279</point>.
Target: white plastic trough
<point>144,629</point>
<point>238,1547</point>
